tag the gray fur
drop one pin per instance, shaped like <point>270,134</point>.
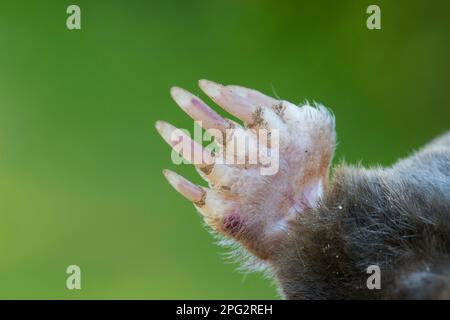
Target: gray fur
<point>397,218</point>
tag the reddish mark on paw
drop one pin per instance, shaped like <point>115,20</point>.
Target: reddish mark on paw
<point>197,103</point>
<point>232,224</point>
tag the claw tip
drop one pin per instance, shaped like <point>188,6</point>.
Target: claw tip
<point>181,97</point>
<point>166,173</point>
<point>162,127</point>
<point>175,91</point>
<point>211,88</point>
<point>170,176</point>
<point>158,125</point>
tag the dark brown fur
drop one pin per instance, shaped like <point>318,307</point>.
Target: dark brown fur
<point>397,218</point>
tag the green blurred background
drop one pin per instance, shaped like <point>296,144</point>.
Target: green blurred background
<point>80,161</point>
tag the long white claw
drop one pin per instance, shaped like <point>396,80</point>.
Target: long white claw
<point>231,102</point>
<point>211,205</point>
<point>186,188</point>
<point>256,97</point>
<point>184,145</point>
<point>197,109</point>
